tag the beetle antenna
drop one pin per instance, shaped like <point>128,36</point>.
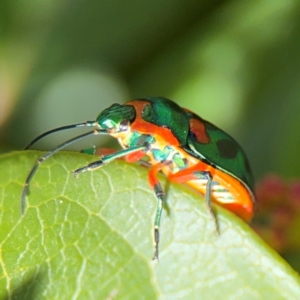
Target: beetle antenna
<point>87,123</point>
<point>49,154</point>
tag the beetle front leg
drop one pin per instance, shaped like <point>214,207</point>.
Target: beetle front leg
<point>109,158</point>
<point>90,167</point>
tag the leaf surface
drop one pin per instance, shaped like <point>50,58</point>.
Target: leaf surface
<point>91,238</point>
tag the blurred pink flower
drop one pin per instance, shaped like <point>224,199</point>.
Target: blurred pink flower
<point>278,209</point>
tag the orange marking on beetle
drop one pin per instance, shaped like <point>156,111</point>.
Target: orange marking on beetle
<point>241,204</point>
<point>134,157</point>
<point>152,175</point>
<point>198,128</point>
<point>145,127</point>
<point>105,151</point>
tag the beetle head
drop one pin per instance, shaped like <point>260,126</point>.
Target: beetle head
<point>116,118</point>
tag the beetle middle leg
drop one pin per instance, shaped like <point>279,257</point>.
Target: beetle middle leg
<point>160,195</point>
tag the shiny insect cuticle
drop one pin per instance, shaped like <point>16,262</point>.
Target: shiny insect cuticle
<point>176,142</point>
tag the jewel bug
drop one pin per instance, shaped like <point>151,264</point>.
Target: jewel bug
<point>175,142</point>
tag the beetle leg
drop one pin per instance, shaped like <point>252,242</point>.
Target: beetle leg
<point>159,194</point>
<point>108,158</point>
<point>131,157</point>
<point>48,154</point>
<point>209,177</point>
<point>193,174</point>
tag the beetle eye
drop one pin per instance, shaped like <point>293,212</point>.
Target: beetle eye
<point>124,125</point>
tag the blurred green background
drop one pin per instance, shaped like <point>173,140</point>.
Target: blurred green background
<point>235,63</point>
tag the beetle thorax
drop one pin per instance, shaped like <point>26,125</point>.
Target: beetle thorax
<point>160,151</point>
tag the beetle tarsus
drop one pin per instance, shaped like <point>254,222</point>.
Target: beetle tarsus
<point>156,243</point>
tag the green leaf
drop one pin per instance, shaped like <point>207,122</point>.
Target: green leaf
<point>91,238</point>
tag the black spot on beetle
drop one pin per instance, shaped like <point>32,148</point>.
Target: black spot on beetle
<point>227,148</point>
<point>247,165</point>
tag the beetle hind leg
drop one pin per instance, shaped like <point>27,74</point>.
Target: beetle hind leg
<point>194,173</point>
<point>209,177</point>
